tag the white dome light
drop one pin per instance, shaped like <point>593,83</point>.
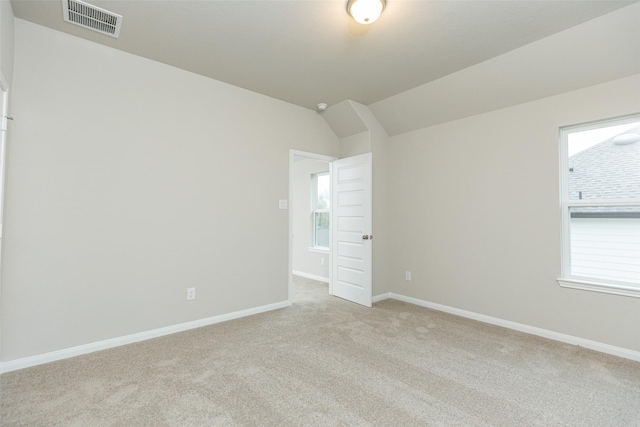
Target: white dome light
<point>365,11</point>
<point>626,139</point>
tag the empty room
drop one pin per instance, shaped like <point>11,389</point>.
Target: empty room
<point>319,212</point>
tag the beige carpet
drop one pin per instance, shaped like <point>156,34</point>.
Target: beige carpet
<point>328,362</point>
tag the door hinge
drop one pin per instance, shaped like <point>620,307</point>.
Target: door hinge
<point>4,121</point>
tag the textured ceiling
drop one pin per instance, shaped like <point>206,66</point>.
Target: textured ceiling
<point>310,51</point>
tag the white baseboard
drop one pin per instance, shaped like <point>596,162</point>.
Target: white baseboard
<point>40,359</point>
<point>66,353</point>
<point>311,276</point>
<point>380,297</point>
<point>545,333</point>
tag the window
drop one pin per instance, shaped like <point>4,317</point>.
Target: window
<point>600,198</point>
<point>320,204</point>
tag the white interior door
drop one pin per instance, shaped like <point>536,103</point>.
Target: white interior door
<point>351,211</point>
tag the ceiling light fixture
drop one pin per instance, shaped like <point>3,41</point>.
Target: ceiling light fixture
<point>365,11</point>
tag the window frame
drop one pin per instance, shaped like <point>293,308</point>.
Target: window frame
<point>566,279</point>
<point>313,247</point>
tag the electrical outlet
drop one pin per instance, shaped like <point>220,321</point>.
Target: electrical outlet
<point>407,276</point>
<point>191,293</point>
<point>321,261</point>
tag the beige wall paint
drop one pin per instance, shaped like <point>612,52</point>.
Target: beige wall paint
<point>475,215</point>
<point>129,181</point>
<point>353,145</point>
<point>6,40</point>
<point>306,261</point>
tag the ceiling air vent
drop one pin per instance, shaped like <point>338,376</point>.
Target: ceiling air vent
<point>92,17</point>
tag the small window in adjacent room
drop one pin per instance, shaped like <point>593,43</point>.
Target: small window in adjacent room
<point>600,198</point>
<point>320,205</point>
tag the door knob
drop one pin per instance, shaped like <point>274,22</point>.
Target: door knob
<point>365,237</point>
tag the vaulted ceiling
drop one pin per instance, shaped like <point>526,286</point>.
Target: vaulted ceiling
<point>310,51</point>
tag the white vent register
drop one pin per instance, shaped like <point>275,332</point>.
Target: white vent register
<point>92,17</point>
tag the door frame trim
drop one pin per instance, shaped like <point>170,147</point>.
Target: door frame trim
<point>292,155</point>
<point>4,140</point>
<point>4,110</point>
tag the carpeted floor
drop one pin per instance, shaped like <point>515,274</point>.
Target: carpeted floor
<point>328,362</point>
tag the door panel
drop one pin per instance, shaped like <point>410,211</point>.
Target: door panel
<point>351,261</point>
<point>351,198</point>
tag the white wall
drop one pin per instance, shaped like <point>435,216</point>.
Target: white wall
<point>476,216</point>
<point>129,181</point>
<point>311,263</point>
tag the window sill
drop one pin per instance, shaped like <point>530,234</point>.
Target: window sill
<point>318,250</point>
<point>607,288</point>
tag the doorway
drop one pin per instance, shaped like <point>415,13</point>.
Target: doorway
<point>309,208</point>
<point>349,251</point>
